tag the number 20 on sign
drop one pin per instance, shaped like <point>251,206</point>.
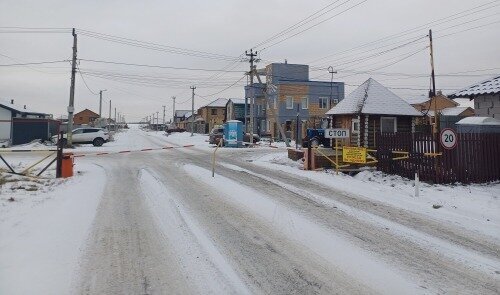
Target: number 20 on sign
<point>448,138</point>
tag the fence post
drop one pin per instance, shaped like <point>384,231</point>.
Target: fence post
<point>59,155</point>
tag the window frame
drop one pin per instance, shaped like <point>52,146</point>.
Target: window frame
<point>353,124</point>
<point>325,100</point>
<point>395,124</point>
<point>304,106</point>
<point>288,99</point>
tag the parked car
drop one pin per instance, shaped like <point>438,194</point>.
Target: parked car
<point>95,136</point>
<point>316,137</point>
<point>216,135</point>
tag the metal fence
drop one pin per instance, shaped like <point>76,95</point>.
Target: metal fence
<point>475,159</point>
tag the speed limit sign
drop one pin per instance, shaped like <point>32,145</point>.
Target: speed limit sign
<point>448,138</point>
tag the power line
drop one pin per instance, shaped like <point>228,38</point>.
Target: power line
<point>449,18</point>
<point>33,63</point>
<point>312,26</point>
<point>154,46</point>
<point>298,24</point>
<point>156,66</point>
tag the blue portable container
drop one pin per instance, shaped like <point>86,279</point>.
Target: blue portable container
<point>233,134</point>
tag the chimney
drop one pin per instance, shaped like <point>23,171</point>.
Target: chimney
<point>11,101</point>
<point>286,61</point>
<point>24,106</point>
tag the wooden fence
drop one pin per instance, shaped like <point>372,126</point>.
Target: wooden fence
<point>475,159</point>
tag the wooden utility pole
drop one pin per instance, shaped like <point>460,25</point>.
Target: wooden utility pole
<point>273,113</point>
<point>71,106</point>
<point>433,91</point>
<point>173,112</point>
<point>252,91</point>
<point>192,109</point>
<point>109,114</point>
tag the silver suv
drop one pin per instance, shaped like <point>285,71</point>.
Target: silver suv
<point>95,136</point>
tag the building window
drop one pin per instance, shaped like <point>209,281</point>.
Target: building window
<point>323,102</point>
<point>214,112</point>
<point>388,124</point>
<point>355,126</point>
<point>305,103</point>
<point>289,102</point>
<point>268,125</point>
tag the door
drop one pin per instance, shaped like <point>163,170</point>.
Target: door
<point>78,135</point>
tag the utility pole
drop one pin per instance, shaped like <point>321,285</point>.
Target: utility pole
<point>109,114</point>
<point>331,71</point>
<point>173,112</point>
<point>157,119</point>
<point>163,115</point>
<point>192,109</point>
<point>252,90</point>
<point>71,106</point>
<point>100,102</point>
<point>433,91</point>
<point>115,121</point>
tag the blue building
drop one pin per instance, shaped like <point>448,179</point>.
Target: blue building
<point>290,91</point>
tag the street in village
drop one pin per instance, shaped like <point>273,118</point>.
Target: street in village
<point>156,222</point>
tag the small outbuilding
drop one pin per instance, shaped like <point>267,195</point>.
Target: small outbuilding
<point>372,108</point>
<point>478,125</point>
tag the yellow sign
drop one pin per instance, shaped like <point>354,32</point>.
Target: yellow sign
<point>354,155</point>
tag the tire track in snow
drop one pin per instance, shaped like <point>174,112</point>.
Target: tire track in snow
<point>198,255</point>
<point>452,251</point>
<point>351,259</point>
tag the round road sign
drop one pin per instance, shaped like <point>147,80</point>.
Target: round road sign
<point>448,138</point>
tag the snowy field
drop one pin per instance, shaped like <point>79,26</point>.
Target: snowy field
<point>156,221</point>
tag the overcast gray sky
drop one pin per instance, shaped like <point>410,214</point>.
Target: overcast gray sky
<point>466,47</point>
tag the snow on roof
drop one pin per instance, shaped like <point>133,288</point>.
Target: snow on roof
<point>371,97</point>
<point>489,86</point>
<point>455,111</point>
<point>181,113</point>
<point>17,107</point>
<point>237,100</point>
<point>417,99</point>
<point>218,103</point>
<point>479,121</point>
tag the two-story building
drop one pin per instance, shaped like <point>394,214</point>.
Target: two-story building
<point>85,117</point>
<point>212,114</point>
<point>179,117</point>
<point>290,92</point>
<point>486,96</point>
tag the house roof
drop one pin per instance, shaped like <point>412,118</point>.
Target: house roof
<point>6,103</point>
<point>417,99</point>
<point>93,113</point>
<point>489,86</point>
<point>478,121</point>
<point>218,103</point>
<point>455,111</point>
<point>237,100</point>
<point>371,97</point>
<point>181,113</point>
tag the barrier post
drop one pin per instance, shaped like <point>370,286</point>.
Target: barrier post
<point>59,155</point>
<point>336,156</point>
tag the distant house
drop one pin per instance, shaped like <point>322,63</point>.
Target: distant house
<point>180,116</point>
<point>372,108</point>
<point>427,105</point>
<point>19,124</point>
<point>486,96</point>
<point>212,114</point>
<point>235,109</point>
<point>85,117</point>
<point>290,91</point>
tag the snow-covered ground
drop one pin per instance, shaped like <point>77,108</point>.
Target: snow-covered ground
<point>156,221</point>
<point>474,206</point>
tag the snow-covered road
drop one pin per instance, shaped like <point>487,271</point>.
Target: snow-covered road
<point>164,225</point>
